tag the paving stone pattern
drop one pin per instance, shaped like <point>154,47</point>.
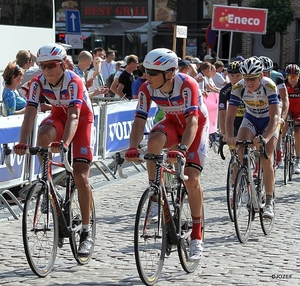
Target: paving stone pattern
<point>263,260</point>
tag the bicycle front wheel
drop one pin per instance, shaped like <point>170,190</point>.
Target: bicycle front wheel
<point>287,159</point>
<point>39,230</point>
<point>149,239</point>
<point>231,172</point>
<point>186,226</point>
<point>242,206</point>
<point>76,225</point>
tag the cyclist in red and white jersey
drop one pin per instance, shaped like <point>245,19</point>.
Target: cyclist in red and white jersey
<point>293,87</point>
<point>185,126</point>
<point>71,120</point>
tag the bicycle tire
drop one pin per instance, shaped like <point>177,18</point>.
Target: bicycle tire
<point>39,230</point>
<point>242,206</point>
<point>186,225</point>
<point>292,158</point>
<point>287,159</point>
<point>233,164</point>
<point>76,225</point>
<point>266,223</point>
<point>149,240</point>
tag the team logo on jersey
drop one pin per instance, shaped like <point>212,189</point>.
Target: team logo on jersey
<point>35,86</point>
<point>83,150</point>
<point>237,86</point>
<point>141,100</point>
<point>271,86</point>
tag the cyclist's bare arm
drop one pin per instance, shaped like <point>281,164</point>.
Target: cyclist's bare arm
<point>285,102</point>
<point>28,122</point>
<point>222,118</point>
<point>137,132</point>
<point>229,127</point>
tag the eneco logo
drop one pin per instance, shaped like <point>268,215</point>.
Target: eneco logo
<point>228,19</point>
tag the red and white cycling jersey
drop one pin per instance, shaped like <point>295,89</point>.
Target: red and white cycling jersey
<point>71,93</point>
<point>185,100</point>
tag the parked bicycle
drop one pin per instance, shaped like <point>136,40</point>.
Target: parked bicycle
<point>249,193</point>
<point>289,152</point>
<point>50,216</point>
<point>156,238</point>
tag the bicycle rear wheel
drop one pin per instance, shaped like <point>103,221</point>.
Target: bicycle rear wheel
<point>231,172</point>
<point>149,240</point>
<point>292,158</point>
<point>39,230</point>
<point>287,159</point>
<point>242,206</point>
<point>186,225</point>
<point>76,224</point>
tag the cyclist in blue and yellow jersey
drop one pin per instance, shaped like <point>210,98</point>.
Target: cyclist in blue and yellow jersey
<point>262,117</point>
<point>278,79</point>
<point>224,97</point>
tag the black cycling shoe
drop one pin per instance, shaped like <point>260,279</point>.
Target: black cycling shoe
<point>86,245</point>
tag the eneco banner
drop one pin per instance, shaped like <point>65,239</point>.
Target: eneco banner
<point>239,19</point>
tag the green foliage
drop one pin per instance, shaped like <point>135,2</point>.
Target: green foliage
<point>280,13</point>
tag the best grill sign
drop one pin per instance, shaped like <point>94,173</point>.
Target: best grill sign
<point>239,19</point>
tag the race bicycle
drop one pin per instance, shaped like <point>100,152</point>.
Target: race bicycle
<point>249,192</point>
<point>50,216</point>
<point>171,230</point>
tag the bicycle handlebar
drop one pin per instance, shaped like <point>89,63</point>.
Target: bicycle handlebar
<point>262,147</point>
<point>154,157</point>
<point>35,151</point>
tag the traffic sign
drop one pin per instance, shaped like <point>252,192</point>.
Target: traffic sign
<point>210,37</point>
<point>73,24</point>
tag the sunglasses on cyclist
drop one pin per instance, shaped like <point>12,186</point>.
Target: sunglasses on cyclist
<point>251,78</point>
<point>153,72</point>
<point>49,66</point>
<point>293,76</point>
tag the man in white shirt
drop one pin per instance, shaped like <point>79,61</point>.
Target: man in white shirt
<point>218,78</point>
<point>109,65</point>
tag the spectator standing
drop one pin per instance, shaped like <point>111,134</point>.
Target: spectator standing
<point>184,66</point>
<point>208,58</point>
<point>110,79</point>
<point>26,60</point>
<point>126,78</point>
<point>85,60</point>
<point>218,78</point>
<point>115,83</point>
<point>138,82</point>
<point>13,103</point>
<point>109,65</point>
<point>98,81</point>
<point>203,50</point>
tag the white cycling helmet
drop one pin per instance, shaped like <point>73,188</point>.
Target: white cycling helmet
<point>161,59</point>
<point>51,52</point>
<point>251,66</point>
<point>267,62</point>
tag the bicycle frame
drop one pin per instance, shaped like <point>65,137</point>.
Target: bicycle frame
<point>63,221</point>
<point>160,190</point>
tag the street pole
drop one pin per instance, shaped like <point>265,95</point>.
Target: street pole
<point>149,32</point>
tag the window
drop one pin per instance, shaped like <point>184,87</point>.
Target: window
<point>27,13</point>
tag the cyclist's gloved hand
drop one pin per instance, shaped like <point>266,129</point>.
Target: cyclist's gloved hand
<point>20,148</point>
<point>172,155</point>
<point>55,146</point>
<point>132,154</point>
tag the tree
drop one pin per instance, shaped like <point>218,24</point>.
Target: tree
<point>280,16</point>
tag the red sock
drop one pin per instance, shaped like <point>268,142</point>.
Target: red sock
<point>197,228</point>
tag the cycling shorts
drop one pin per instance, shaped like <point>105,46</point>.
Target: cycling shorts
<point>82,140</point>
<point>198,151</point>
